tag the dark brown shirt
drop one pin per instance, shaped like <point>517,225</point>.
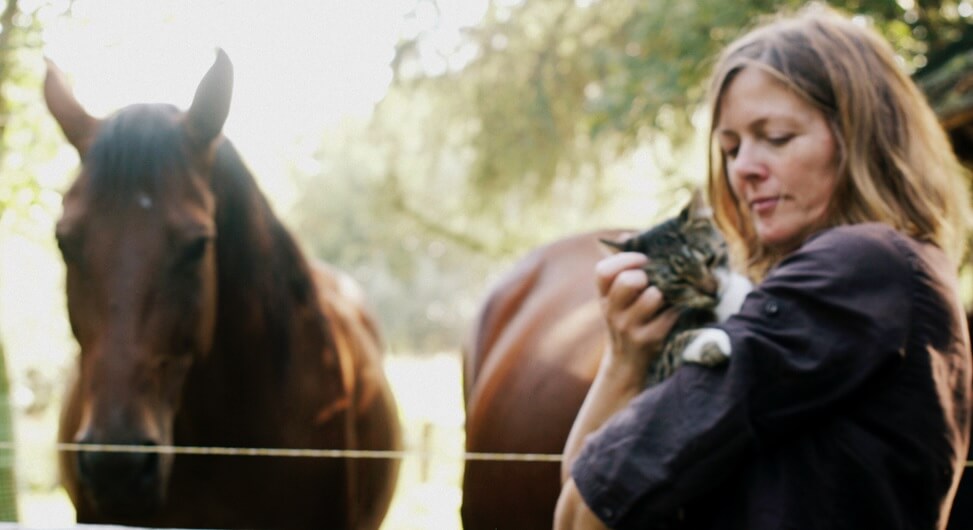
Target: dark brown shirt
<point>845,403</point>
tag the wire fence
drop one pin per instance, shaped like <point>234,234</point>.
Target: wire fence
<point>295,453</point>
<point>305,453</point>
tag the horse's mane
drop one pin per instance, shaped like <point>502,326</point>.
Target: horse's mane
<point>135,150</point>
<point>261,267</point>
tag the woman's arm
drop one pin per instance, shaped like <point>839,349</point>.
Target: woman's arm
<point>637,328</point>
<point>572,513</point>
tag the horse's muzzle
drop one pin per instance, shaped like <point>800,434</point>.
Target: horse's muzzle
<point>121,483</point>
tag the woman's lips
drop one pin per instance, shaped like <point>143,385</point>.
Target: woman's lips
<point>764,205</point>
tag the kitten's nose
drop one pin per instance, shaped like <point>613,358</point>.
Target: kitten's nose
<point>709,285</point>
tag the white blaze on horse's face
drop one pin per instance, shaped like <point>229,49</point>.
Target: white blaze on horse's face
<point>138,239</point>
<point>144,200</point>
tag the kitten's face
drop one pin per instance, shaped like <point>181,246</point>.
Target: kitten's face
<point>684,254</point>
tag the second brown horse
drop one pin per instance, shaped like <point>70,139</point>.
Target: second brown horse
<point>530,360</point>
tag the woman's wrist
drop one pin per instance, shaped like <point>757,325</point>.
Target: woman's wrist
<point>625,370</point>
<point>624,373</point>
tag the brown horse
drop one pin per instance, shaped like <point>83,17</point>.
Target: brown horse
<point>201,323</point>
<point>531,358</point>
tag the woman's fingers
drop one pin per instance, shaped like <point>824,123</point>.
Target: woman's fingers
<point>636,312</point>
<point>629,305</point>
<point>628,287</point>
<point>655,329</point>
<point>608,268</point>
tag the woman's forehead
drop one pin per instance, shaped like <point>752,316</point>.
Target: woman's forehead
<point>755,98</point>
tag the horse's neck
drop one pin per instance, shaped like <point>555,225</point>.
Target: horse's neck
<point>273,346</point>
<point>266,293</point>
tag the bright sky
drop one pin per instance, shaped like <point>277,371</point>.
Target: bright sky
<point>300,66</point>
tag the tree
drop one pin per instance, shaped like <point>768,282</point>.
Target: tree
<point>543,119</point>
<point>23,144</point>
<point>551,90</point>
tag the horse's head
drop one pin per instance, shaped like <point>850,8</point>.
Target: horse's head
<point>137,234</point>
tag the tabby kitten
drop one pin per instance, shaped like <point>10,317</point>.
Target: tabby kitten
<point>688,262</point>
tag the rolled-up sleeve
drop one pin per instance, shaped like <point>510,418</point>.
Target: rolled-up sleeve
<point>813,333</point>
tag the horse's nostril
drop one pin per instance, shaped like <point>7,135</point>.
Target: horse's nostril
<point>120,469</point>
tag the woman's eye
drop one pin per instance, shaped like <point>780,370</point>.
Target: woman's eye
<point>730,152</point>
<point>780,139</point>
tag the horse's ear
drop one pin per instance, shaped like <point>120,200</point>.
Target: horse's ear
<point>78,126</point>
<point>211,104</point>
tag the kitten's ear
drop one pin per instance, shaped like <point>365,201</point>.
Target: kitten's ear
<point>617,246</point>
<point>697,207</point>
<point>614,246</point>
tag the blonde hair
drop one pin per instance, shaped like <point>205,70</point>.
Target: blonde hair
<point>895,163</point>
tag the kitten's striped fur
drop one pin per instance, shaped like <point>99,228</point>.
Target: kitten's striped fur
<point>688,262</point>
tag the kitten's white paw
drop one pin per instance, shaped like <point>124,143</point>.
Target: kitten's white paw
<point>707,347</point>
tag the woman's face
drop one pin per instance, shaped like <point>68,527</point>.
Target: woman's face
<point>781,157</point>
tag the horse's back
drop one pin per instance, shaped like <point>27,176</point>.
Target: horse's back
<point>529,363</point>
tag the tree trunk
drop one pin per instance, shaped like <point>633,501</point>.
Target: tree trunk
<point>8,479</point>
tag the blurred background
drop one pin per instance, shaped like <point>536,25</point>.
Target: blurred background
<point>420,145</point>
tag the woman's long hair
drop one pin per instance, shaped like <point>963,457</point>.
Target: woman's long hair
<point>895,163</point>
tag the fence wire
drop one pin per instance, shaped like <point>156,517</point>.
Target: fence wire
<point>305,453</point>
<point>296,453</point>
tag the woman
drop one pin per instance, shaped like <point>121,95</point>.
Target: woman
<point>846,401</point>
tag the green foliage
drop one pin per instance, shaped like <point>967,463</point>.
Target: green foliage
<point>27,138</point>
<point>418,281</point>
<point>8,463</point>
<point>540,121</point>
<point>551,88</point>
<point>544,119</point>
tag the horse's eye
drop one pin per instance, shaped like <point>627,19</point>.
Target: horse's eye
<point>194,251</point>
<point>70,247</point>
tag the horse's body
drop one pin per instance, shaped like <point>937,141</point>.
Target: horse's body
<point>201,323</point>
<point>532,357</point>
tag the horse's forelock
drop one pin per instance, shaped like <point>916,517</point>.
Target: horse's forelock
<point>135,150</point>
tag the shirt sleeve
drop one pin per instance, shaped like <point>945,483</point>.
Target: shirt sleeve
<point>813,333</point>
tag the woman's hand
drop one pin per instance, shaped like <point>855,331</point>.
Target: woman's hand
<point>637,318</point>
<point>638,323</point>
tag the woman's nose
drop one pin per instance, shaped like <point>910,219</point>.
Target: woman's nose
<point>748,164</point>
